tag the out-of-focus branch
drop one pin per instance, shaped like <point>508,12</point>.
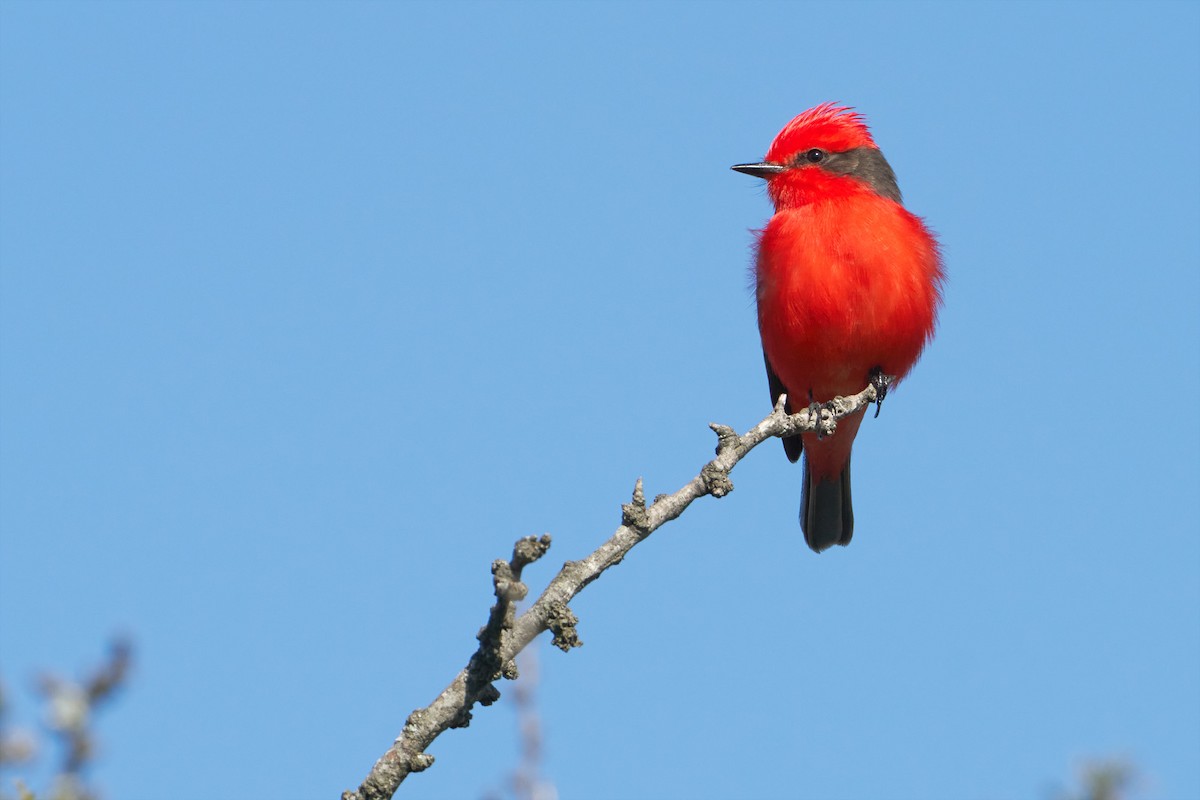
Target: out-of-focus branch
<point>527,783</point>
<point>70,707</point>
<point>17,746</point>
<point>72,704</point>
<point>1103,779</point>
<point>502,638</point>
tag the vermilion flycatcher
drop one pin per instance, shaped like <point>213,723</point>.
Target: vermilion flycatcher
<point>848,286</point>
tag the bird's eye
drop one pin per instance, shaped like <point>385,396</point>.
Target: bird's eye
<point>814,156</point>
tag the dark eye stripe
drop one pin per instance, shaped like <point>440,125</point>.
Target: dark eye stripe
<point>866,164</point>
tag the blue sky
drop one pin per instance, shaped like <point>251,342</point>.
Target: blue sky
<point>309,310</point>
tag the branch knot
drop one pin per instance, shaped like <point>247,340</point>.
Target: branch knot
<point>562,621</point>
<point>633,514</point>
<point>727,437</point>
<point>716,479</point>
<point>508,588</point>
<point>528,550</point>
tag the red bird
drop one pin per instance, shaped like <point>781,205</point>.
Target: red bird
<point>848,285</point>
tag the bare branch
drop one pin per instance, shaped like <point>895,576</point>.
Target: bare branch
<point>502,638</point>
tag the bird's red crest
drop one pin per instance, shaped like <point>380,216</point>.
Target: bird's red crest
<point>828,126</point>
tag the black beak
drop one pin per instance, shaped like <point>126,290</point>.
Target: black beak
<point>764,170</point>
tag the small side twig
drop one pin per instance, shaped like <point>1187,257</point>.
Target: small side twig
<point>503,637</point>
<point>489,661</point>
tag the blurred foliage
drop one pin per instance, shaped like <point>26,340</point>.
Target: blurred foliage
<point>1103,779</point>
<point>70,708</point>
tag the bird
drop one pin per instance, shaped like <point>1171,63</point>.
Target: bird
<point>848,285</point>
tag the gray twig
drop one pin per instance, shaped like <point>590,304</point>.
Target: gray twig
<point>503,637</point>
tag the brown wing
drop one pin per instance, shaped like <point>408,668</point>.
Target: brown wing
<point>792,445</point>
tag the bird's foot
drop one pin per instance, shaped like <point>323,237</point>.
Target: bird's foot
<point>823,420</point>
<point>881,383</point>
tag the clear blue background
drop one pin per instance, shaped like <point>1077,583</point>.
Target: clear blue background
<point>309,310</point>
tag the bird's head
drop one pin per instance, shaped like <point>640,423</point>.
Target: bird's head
<point>823,153</point>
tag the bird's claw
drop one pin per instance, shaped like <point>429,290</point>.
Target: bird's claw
<point>823,420</point>
<point>881,383</point>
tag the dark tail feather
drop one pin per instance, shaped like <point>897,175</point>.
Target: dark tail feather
<point>826,516</point>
